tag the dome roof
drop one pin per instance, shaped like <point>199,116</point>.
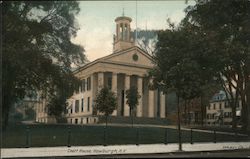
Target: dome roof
<point>122,18</point>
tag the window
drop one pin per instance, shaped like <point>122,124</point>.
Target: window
<point>83,85</point>
<point>77,88</point>
<point>76,121</point>
<point>71,111</point>
<point>214,105</point>
<point>77,106</point>
<point>109,82</point>
<point>226,115</point>
<point>220,105</point>
<point>226,104</point>
<point>230,114</point>
<point>213,116</point>
<point>88,83</point>
<point>120,30</point>
<point>238,104</point>
<point>88,102</point>
<point>82,104</point>
<point>125,32</point>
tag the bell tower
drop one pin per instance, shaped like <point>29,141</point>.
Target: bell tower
<point>122,39</point>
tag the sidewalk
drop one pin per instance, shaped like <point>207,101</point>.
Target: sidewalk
<point>119,149</point>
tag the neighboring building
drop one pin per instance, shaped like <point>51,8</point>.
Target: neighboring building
<point>127,66</point>
<point>219,112</point>
<point>193,111</point>
<point>42,115</point>
<point>26,107</point>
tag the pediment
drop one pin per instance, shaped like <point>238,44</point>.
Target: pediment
<point>133,56</point>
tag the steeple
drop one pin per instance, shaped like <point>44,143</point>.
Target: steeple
<point>122,39</point>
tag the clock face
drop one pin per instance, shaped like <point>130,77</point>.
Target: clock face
<point>135,57</point>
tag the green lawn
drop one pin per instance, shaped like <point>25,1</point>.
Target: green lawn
<point>57,135</point>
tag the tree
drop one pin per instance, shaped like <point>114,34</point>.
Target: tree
<point>146,39</point>
<point>228,34</point>
<point>37,48</point>
<point>30,113</point>
<point>132,96</point>
<point>106,102</point>
<point>182,64</point>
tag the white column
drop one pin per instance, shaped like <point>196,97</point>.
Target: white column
<point>151,103</point>
<point>92,90</point>
<point>114,89</point>
<point>162,103</point>
<point>126,87</point>
<point>100,81</point>
<point>139,107</point>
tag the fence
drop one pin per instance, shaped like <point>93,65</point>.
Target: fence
<point>76,135</point>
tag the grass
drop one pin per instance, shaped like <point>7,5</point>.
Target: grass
<point>41,135</point>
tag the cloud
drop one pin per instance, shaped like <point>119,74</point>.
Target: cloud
<point>95,38</point>
<point>98,26</point>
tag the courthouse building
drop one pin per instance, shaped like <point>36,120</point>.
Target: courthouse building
<point>126,66</point>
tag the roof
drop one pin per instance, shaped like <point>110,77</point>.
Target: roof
<point>102,59</point>
<point>221,96</point>
<point>123,17</point>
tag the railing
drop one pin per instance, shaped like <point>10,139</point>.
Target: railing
<point>76,135</point>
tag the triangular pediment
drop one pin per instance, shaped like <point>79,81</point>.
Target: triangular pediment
<point>132,56</point>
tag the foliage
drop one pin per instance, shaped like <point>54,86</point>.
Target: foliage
<point>210,45</point>
<point>226,26</point>
<point>132,96</point>
<point>37,48</point>
<point>18,117</point>
<point>106,102</point>
<point>177,67</point>
<point>146,39</point>
<point>30,113</point>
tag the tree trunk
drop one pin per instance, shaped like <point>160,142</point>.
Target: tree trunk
<point>244,114</point>
<point>7,102</point>
<point>202,111</point>
<point>190,105</point>
<point>248,103</point>
<point>234,104</point>
<point>132,118</point>
<point>5,117</point>
<point>185,107</point>
<point>106,121</point>
<point>179,124</point>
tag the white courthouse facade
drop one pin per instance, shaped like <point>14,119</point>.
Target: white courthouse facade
<point>127,66</point>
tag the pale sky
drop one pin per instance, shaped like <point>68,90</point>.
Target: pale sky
<point>97,25</point>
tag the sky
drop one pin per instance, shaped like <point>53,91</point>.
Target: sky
<point>97,25</point>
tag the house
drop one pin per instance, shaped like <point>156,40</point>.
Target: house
<point>219,111</point>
